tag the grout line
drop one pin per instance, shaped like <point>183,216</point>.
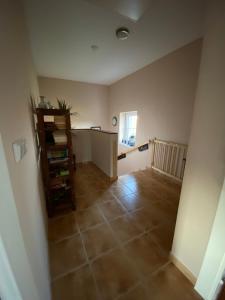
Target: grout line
<point>69,272</point>
<point>128,291</point>
<point>137,236</point>
<point>63,239</point>
<point>92,227</point>
<point>120,202</point>
<point>154,273</point>
<point>142,279</point>
<point>121,247</point>
<point>92,260</point>
<point>89,263</point>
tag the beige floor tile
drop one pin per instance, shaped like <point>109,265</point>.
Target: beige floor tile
<point>89,217</point>
<point>171,284</point>
<point>78,285</point>
<point>125,228</point>
<point>145,220</point>
<point>83,202</point>
<point>62,227</point>
<point>111,209</point>
<point>149,196</point>
<point>132,201</point>
<point>133,185</point>
<point>169,211</point>
<point>66,255</point>
<point>114,274</point>
<point>107,196</point>
<point>98,240</point>
<point>152,202</point>
<point>145,254</point>
<point>163,235</point>
<point>121,191</point>
<point>138,293</point>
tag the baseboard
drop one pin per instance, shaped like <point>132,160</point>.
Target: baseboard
<point>187,273</point>
<point>113,178</point>
<point>79,164</point>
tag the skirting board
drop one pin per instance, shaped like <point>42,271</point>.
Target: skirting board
<point>113,178</point>
<point>187,273</point>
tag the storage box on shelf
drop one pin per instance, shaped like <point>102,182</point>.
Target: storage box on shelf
<point>56,158</point>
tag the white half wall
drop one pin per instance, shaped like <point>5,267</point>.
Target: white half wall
<point>81,139</point>
<point>205,168</point>
<point>104,152</point>
<point>97,146</point>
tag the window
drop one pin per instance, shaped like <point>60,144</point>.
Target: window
<point>128,125</point>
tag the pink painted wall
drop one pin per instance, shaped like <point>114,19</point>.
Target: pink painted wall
<point>18,81</point>
<point>89,100</point>
<point>163,94</point>
<point>205,168</point>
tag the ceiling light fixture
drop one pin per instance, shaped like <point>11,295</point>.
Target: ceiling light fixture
<point>122,33</point>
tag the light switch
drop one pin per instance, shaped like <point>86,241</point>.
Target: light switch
<point>19,149</point>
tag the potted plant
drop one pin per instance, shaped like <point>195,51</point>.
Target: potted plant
<point>60,121</point>
<point>63,105</point>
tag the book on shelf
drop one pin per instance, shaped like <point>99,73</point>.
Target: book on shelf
<point>58,160</point>
<point>59,172</point>
<point>57,153</point>
<point>59,138</point>
<point>59,183</point>
<point>51,126</point>
<point>60,122</point>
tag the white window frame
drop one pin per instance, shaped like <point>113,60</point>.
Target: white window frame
<point>123,131</point>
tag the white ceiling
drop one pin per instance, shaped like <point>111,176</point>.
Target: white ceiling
<point>62,33</point>
<point>132,9</point>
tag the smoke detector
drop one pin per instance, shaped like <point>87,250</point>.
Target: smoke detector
<point>122,33</point>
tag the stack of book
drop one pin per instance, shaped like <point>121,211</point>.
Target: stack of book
<point>60,122</point>
<point>60,138</point>
<point>55,157</point>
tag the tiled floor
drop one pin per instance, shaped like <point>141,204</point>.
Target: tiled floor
<point>117,243</point>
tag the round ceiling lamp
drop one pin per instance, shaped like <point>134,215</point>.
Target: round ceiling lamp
<point>122,33</point>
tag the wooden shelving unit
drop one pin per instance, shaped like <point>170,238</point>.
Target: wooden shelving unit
<point>56,159</point>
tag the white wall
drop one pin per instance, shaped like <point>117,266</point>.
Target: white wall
<point>8,286</point>
<point>99,147</point>
<point>104,152</point>
<point>16,278</point>
<point>213,266</point>
<point>163,95</point>
<point>205,168</point>
<point>82,145</point>
<point>18,81</point>
<point>89,100</point>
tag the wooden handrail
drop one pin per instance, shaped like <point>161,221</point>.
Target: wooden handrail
<point>124,154</point>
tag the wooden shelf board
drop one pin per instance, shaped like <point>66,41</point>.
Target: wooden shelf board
<point>54,188</point>
<point>52,112</point>
<point>57,147</point>
<point>59,162</point>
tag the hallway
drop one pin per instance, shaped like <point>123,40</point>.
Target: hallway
<point>117,243</point>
